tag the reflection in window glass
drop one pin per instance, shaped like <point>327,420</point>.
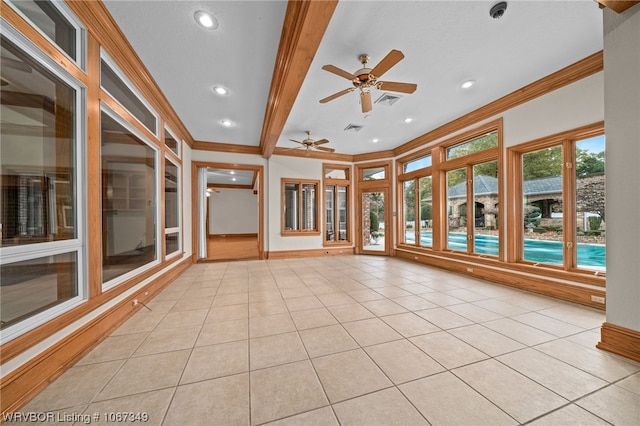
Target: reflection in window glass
<point>335,174</point>
<point>171,142</point>
<point>426,214</point>
<point>37,153</point>
<point>343,213</point>
<point>48,19</point>
<point>490,140</point>
<point>330,213</point>
<point>172,243</point>
<point>542,206</point>
<point>309,206</point>
<point>485,198</point>
<point>128,200</point>
<point>419,163</point>
<point>32,286</point>
<point>117,88</point>
<point>590,203</point>
<point>457,209</point>
<point>171,202</point>
<point>375,173</point>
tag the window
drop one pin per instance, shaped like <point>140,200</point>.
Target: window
<point>113,82</point>
<point>337,201</point>
<point>419,163</point>
<point>41,242</point>
<point>171,142</point>
<point>56,22</point>
<point>374,173</point>
<point>561,220</point>
<point>473,194</point>
<point>171,207</point>
<point>129,176</point>
<point>300,207</point>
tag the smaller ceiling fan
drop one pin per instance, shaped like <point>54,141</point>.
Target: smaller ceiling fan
<point>311,145</point>
<point>367,78</point>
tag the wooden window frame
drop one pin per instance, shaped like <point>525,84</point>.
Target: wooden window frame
<point>300,232</point>
<point>337,182</point>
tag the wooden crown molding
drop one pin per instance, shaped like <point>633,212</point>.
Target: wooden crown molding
<point>226,147</point>
<point>305,23</point>
<point>574,72</point>
<point>312,154</point>
<point>618,6</point>
<point>103,27</point>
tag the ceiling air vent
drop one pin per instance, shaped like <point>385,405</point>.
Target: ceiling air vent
<point>353,127</point>
<point>387,99</point>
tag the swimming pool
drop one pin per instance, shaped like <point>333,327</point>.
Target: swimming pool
<point>589,255</point>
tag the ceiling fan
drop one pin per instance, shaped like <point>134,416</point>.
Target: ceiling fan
<point>311,145</point>
<point>367,78</point>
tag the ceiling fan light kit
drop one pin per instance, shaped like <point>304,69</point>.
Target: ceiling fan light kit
<point>366,79</point>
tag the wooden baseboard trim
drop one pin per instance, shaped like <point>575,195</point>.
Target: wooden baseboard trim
<point>291,254</point>
<point>620,340</point>
<point>21,385</point>
<point>548,286</point>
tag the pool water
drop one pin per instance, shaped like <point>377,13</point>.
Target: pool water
<point>589,255</point>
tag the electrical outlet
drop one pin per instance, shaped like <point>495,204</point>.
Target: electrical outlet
<point>469,269</point>
<point>597,299</point>
<point>134,302</point>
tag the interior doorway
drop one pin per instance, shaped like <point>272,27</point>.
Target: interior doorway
<point>228,220</point>
<point>374,222</point>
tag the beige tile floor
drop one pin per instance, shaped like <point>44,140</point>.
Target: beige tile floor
<point>359,340</point>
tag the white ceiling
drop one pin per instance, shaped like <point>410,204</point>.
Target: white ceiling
<point>444,43</point>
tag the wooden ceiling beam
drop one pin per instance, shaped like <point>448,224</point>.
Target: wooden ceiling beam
<point>618,6</point>
<point>305,23</point>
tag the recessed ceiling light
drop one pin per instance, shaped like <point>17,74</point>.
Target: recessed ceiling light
<point>232,172</point>
<point>206,20</point>
<point>408,120</point>
<point>226,122</point>
<point>375,140</point>
<point>233,179</point>
<point>221,90</point>
<point>467,84</point>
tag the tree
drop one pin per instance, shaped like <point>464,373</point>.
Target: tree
<point>589,163</point>
<point>542,164</point>
<point>373,221</point>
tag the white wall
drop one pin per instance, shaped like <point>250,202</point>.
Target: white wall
<point>622,117</point>
<point>233,211</point>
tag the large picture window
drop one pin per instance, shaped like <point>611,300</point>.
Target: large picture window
<point>41,258</point>
<point>300,207</point>
<point>129,200</point>
<point>561,220</point>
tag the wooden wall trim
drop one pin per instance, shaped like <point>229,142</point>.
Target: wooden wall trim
<point>22,384</point>
<point>327,251</point>
<point>370,156</point>
<point>548,286</point>
<point>577,71</point>
<point>620,340</point>
<point>103,27</point>
<point>305,23</point>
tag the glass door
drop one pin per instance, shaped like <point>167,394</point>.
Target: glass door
<point>374,225</point>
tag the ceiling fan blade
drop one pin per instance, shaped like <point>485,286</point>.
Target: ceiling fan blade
<point>337,95</point>
<point>385,65</point>
<point>393,86</point>
<point>16,65</point>
<point>293,140</point>
<point>322,148</point>
<point>338,71</point>
<point>365,100</point>
<point>321,142</point>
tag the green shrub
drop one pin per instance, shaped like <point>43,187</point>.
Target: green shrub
<point>539,230</point>
<point>373,224</point>
<point>409,226</point>
<point>594,223</point>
